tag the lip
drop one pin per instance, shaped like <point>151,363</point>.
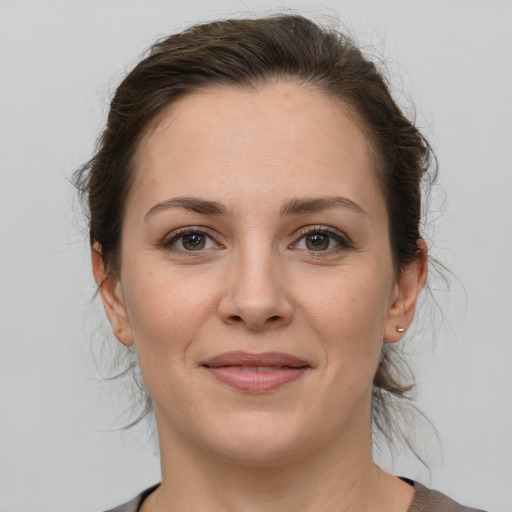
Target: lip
<point>255,373</point>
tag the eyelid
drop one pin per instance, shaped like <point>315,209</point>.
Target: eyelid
<point>170,238</point>
<point>342,238</point>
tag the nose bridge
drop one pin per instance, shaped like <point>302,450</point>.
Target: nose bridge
<point>255,291</point>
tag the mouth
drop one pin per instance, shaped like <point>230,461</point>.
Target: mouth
<point>255,373</point>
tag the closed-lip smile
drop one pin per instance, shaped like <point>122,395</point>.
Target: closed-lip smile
<point>255,373</point>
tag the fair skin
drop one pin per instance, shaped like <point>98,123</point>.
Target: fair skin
<point>281,246</point>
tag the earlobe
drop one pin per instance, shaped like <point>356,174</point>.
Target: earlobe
<point>405,294</point>
<point>109,287</point>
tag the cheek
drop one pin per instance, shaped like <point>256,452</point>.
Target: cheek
<point>352,302</point>
<point>348,311</point>
<point>166,310</point>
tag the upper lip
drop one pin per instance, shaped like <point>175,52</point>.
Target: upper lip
<point>277,359</point>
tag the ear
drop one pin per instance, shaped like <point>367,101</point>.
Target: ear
<point>407,288</point>
<point>109,286</point>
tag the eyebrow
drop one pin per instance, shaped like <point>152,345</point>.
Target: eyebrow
<point>299,206</point>
<point>192,204</point>
<point>296,206</point>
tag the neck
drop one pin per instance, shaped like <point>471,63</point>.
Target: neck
<point>340,477</point>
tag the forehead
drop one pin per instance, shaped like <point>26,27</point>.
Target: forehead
<point>282,137</point>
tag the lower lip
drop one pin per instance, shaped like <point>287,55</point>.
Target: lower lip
<point>254,381</point>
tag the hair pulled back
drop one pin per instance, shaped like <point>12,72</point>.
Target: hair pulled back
<point>249,53</point>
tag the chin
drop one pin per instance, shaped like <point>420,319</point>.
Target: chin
<point>257,439</point>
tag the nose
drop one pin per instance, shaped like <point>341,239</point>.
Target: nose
<point>255,292</point>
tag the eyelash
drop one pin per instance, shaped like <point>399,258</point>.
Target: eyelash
<point>169,242</point>
<point>340,238</point>
<point>343,242</point>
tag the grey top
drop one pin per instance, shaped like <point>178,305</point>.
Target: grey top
<point>425,500</point>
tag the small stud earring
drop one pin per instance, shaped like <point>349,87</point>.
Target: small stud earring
<point>401,330</point>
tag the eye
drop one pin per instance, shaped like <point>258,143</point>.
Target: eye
<point>190,240</point>
<point>321,239</point>
<point>317,241</point>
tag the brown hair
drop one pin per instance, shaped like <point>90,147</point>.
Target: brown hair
<point>248,53</point>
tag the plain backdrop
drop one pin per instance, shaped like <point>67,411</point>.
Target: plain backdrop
<point>60,447</point>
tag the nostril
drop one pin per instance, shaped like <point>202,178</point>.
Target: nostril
<point>274,318</point>
<point>237,318</point>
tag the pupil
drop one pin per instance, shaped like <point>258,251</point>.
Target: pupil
<point>194,239</point>
<point>317,242</point>
<point>317,239</point>
<point>194,242</point>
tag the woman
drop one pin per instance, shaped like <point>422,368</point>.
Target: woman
<point>254,222</point>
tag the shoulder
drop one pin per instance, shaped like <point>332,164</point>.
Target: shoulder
<point>427,500</point>
<point>135,503</point>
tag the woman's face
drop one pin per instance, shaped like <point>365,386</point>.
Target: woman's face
<point>256,278</point>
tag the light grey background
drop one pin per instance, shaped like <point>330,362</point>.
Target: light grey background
<point>59,63</point>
